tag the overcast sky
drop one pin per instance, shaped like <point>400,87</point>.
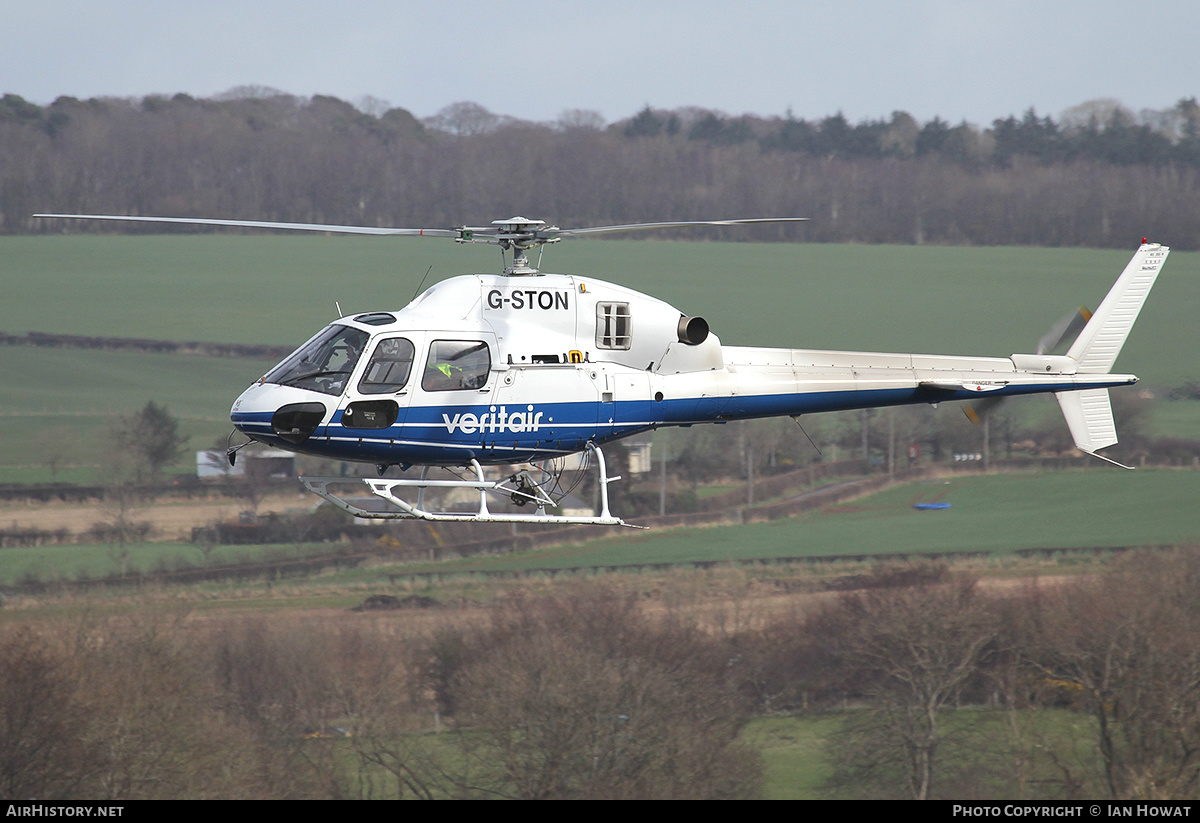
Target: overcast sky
<point>957,59</point>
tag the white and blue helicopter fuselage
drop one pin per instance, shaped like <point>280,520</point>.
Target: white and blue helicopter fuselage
<point>505,370</point>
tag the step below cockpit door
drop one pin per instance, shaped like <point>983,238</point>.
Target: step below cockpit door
<point>627,404</point>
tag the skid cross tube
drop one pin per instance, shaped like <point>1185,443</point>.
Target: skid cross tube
<point>386,488</point>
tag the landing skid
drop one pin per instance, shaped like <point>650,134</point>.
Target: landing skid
<point>386,488</point>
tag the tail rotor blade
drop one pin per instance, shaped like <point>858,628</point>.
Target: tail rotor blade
<point>1064,332</point>
<point>977,410</point>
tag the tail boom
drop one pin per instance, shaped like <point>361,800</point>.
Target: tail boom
<point>759,382</point>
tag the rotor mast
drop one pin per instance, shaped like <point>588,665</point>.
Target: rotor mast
<point>516,235</point>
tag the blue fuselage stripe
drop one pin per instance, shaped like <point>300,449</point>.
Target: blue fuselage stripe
<point>454,434</point>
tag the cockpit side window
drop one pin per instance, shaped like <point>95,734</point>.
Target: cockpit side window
<point>324,363</point>
<point>456,364</point>
<point>389,367</point>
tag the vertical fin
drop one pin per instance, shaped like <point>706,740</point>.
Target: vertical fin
<point>1100,342</point>
<point>1089,412</point>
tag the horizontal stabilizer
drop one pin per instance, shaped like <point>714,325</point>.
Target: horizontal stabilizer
<point>1090,419</point>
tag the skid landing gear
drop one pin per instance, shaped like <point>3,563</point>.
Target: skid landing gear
<point>522,488</point>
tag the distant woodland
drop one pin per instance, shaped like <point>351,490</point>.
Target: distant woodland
<point>1097,176</point>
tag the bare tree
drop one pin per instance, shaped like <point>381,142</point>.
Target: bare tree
<point>580,119</point>
<point>465,118</point>
<point>54,446</point>
<point>583,698</point>
<point>254,484</point>
<point>1123,648</point>
<point>42,751</point>
<point>148,704</point>
<point>911,653</point>
<point>124,494</point>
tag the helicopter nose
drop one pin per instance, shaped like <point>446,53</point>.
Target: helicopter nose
<point>266,412</point>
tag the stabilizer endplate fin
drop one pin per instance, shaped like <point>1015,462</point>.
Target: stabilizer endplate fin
<point>1090,419</point>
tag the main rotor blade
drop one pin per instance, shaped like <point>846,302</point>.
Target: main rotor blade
<point>522,233</point>
<point>262,224</point>
<point>674,225</point>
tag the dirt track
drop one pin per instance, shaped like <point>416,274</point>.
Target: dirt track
<point>172,519</point>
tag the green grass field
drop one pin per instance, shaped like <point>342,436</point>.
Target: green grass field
<point>49,564</point>
<point>793,749</point>
<point>64,398</point>
<point>999,513</point>
<point>281,289</point>
<point>799,752</point>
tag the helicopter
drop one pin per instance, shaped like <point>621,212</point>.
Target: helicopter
<point>524,368</point>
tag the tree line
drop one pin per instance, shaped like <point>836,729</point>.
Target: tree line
<point>1098,176</point>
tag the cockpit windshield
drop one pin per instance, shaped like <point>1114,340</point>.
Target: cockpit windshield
<point>324,363</point>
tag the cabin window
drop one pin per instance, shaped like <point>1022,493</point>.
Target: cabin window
<point>613,326</point>
<point>456,364</point>
<point>390,365</point>
<point>324,363</point>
